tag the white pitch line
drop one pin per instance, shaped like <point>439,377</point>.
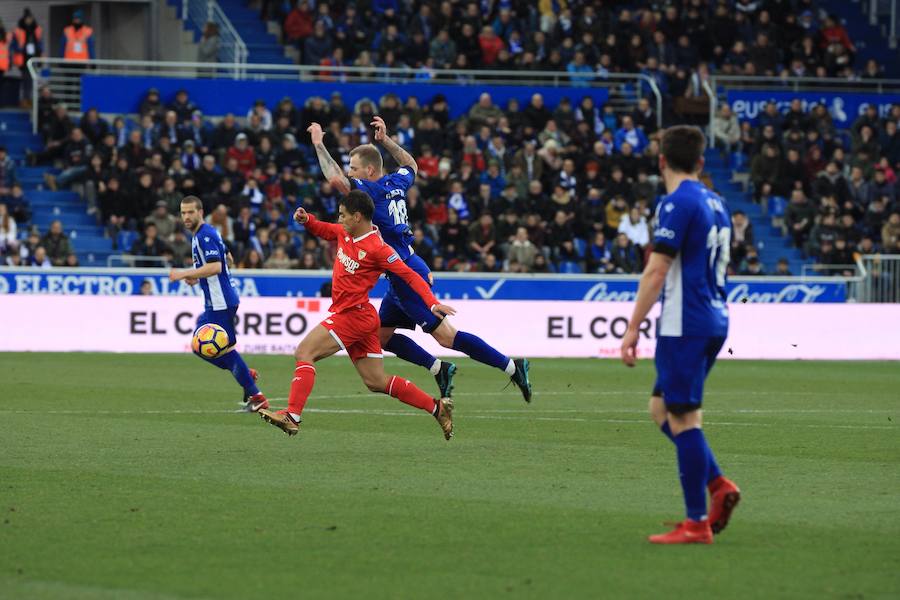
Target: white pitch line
<point>391,413</point>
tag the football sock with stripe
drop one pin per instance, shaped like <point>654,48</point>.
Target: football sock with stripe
<point>405,391</point>
<point>693,466</point>
<point>476,348</point>
<point>301,385</point>
<point>232,361</point>
<point>714,471</point>
<point>410,351</point>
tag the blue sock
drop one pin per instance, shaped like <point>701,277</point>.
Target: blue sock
<point>667,431</point>
<point>233,362</point>
<point>409,351</point>
<point>693,466</point>
<point>477,348</point>
<point>714,472</point>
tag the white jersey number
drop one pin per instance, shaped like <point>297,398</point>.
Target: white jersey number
<point>397,210</point>
<point>718,242</point>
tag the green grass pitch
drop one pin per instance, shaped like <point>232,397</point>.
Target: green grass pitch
<point>128,477</point>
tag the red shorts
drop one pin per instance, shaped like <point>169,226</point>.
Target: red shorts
<point>356,331</point>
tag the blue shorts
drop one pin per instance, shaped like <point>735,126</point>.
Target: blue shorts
<point>402,307</point>
<point>224,319</point>
<point>682,364</point>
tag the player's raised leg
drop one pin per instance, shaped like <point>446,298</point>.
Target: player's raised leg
<point>371,370</point>
<point>231,360</point>
<point>476,348</point>
<point>318,344</point>
<point>392,316</point>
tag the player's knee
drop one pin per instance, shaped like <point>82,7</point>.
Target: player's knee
<point>301,355</point>
<point>657,409</point>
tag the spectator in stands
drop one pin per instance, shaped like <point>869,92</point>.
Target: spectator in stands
<point>318,46</point>
<point>522,251</point>
<point>40,259</point>
<point>182,106</point>
<point>149,246</point>
<point>152,105</point>
<point>93,126</point>
<point>243,154</point>
<point>164,222</point>
<point>27,43</point>
<point>753,267</point>
<point>208,47</point>
<point>56,243</point>
<point>7,172</point>
<point>625,257</point>
<point>75,156</point>
<point>631,135</point>
<point>726,130</point>
<point>77,42</point>
<point>635,228</point>
<point>8,232</point>
<point>765,169</point>
<point>799,217</point>
<point>890,234</point>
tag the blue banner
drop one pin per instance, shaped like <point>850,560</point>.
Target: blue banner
<point>843,107</point>
<point>120,94</point>
<point>125,282</point>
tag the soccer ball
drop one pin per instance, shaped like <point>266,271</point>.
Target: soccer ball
<point>210,340</point>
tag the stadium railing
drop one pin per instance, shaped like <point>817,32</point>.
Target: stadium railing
<point>232,49</point>
<point>880,280</point>
<point>883,8</point>
<point>129,260</point>
<point>65,84</point>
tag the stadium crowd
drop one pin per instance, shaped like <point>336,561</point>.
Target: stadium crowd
<point>676,43</point>
<point>834,193</point>
<point>517,188</point>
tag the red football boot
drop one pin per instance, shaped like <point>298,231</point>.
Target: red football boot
<point>686,532</point>
<point>724,496</point>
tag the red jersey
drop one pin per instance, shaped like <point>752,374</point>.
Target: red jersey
<point>359,263</point>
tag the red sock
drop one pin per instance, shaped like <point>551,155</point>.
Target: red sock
<point>301,386</point>
<point>407,392</point>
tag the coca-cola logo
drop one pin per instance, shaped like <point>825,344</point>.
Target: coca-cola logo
<point>600,293</point>
<point>793,292</point>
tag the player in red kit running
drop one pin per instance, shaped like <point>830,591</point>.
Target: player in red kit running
<point>362,257</point>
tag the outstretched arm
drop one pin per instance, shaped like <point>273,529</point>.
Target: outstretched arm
<point>390,261</point>
<point>325,231</point>
<point>330,169</point>
<point>403,158</point>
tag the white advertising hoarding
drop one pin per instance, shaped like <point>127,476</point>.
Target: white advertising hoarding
<point>521,328</point>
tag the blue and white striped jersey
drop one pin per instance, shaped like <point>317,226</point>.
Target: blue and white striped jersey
<point>694,227</point>
<point>218,291</point>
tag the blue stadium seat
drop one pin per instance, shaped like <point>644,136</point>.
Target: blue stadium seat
<point>125,240</point>
<point>776,206</point>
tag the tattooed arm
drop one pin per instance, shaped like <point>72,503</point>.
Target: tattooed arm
<point>403,158</point>
<point>330,169</point>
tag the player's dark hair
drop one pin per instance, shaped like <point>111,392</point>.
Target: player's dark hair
<point>369,155</point>
<point>357,201</point>
<point>683,147</point>
<point>197,202</point>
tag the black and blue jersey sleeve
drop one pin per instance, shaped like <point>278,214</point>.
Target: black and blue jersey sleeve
<point>672,221</point>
